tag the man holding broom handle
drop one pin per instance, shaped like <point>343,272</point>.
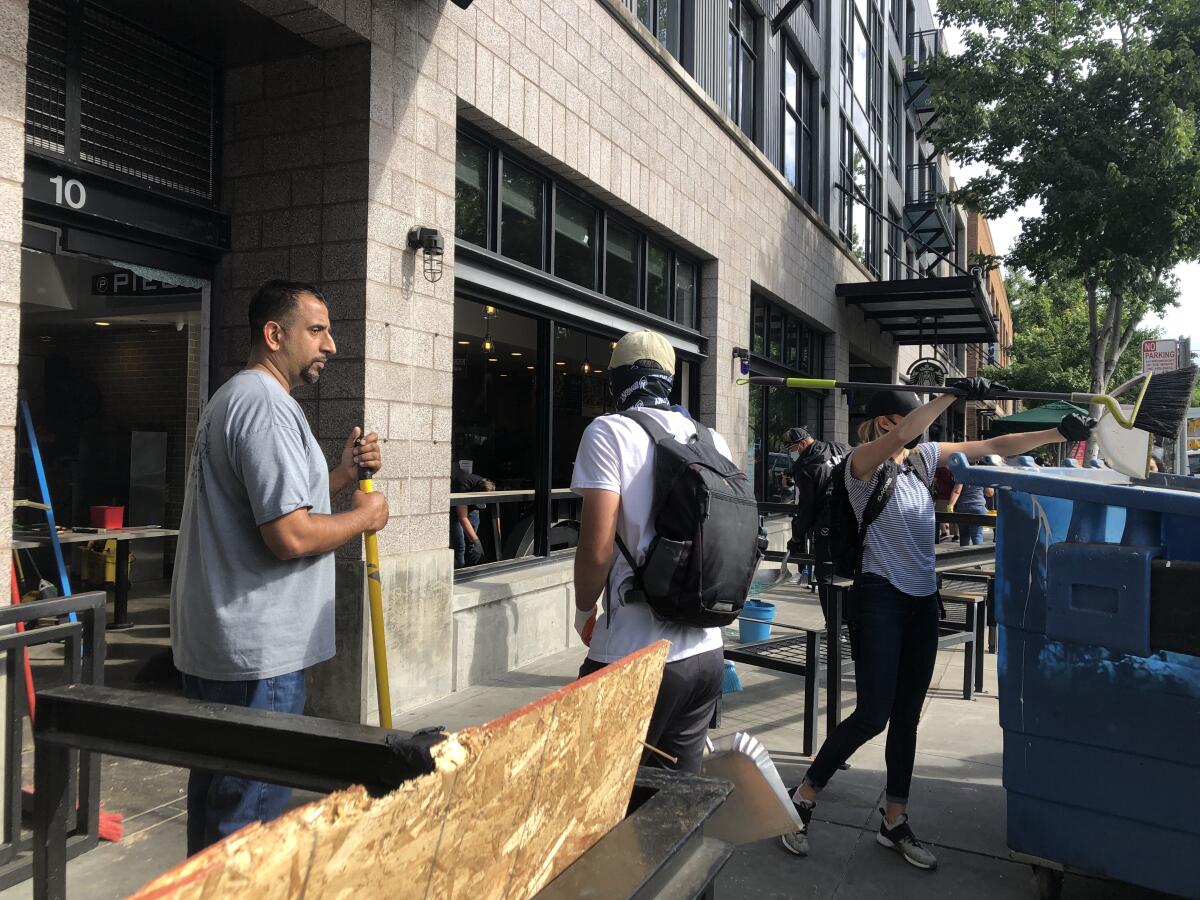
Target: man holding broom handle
<point>252,598</point>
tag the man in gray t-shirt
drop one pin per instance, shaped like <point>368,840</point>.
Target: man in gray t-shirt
<point>252,598</point>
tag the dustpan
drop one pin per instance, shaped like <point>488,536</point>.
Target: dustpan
<point>1127,450</point>
<point>759,806</point>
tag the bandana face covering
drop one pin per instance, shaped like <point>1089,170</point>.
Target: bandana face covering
<point>639,386</point>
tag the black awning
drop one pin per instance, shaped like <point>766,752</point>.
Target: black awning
<point>952,310</point>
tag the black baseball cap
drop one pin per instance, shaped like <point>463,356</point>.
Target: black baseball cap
<point>892,403</point>
<point>796,435</point>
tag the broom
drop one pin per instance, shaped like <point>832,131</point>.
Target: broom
<point>1160,407</point>
<point>366,484</point>
<point>111,825</point>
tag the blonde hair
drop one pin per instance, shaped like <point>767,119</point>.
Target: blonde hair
<point>869,430</point>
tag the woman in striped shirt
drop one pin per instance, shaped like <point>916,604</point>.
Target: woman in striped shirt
<point>894,601</point>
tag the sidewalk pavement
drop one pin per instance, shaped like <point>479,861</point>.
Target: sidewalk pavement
<point>957,804</point>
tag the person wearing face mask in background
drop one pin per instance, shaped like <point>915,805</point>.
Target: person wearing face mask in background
<point>812,467</point>
<point>893,609</point>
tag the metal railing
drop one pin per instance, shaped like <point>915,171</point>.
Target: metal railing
<point>78,809</point>
<point>925,185</point>
<point>920,48</point>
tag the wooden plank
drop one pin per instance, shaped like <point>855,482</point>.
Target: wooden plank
<point>510,805</point>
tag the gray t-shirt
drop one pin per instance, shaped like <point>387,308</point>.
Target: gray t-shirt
<point>237,611</point>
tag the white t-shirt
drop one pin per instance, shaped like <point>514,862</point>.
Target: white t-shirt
<point>615,455</point>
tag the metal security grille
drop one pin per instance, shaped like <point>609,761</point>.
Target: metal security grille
<point>46,76</point>
<point>145,107</point>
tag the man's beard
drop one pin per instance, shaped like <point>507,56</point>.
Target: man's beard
<point>311,373</point>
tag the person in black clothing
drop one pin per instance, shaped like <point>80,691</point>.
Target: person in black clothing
<point>464,519</point>
<point>812,467</point>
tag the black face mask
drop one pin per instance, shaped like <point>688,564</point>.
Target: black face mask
<point>640,386</point>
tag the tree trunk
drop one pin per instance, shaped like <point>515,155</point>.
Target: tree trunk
<point>1096,347</point>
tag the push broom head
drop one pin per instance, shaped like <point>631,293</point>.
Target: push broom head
<point>1164,406</point>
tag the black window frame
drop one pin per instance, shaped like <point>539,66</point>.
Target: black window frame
<point>548,326</point>
<point>501,155</point>
<point>741,46</point>
<point>489,191</point>
<point>804,119</point>
<point>895,120</point>
<point>810,353</point>
<point>650,12</point>
<point>851,193</point>
<point>598,224</point>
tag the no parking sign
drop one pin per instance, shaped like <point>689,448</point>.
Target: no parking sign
<point>1160,356</point>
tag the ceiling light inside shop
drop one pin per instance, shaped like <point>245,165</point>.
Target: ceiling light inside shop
<point>464,343</point>
<point>102,324</point>
<point>560,363</point>
<point>493,359</point>
<point>516,353</point>
<point>530,368</point>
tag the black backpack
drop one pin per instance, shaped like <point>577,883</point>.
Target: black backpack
<point>839,536</point>
<point>708,538</point>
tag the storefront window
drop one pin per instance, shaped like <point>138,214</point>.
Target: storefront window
<point>758,328</point>
<point>621,264</point>
<point>574,240</point>
<point>494,426</point>
<point>472,172</point>
<point>685,294</point>
<point>657,283</point>
<point>522,216</point>
<point>580,394</point>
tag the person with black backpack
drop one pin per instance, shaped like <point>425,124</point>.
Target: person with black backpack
<point>883,529</point>
<point>670,534</point>
<point>813,462</point>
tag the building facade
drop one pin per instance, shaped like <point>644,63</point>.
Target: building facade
<point>757,189</point>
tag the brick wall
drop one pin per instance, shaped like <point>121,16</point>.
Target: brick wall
<point>14,30</point>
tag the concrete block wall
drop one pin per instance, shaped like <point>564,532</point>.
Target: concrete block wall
<point>14,34</point>
<point>295,186</point>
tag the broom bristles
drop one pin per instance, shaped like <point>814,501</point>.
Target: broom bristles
<point>1165,405</point>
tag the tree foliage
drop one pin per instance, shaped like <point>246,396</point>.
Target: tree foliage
<point>1047,353</point>
<point>1089,109</point>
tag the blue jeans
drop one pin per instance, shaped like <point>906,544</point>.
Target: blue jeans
<point>218,805</point>
<point>465,555</point>
<point>969,535</point>
<point>895,646</point>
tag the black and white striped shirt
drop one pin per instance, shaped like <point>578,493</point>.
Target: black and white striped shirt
<point>899,544</point>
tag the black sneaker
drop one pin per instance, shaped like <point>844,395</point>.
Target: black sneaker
<point>797,841</point>
<point>901,839</point>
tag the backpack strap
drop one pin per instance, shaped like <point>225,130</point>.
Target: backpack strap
<point>658,433</point>
<point>880,497</point>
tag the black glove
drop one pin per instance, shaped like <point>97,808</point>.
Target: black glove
<point>977,388</point>
<point>1075,427</point>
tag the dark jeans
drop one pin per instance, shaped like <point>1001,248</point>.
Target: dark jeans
<point>465,555</point>
<point>969,535</point>
<point>686,700</point>
<point>895,645</point>
<point>218,805</point>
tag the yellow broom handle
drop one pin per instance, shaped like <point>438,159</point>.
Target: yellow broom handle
<point>375,598</point>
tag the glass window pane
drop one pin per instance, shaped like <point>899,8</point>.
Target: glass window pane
<point>860,63</point>
<point>580,394</point>
<point>471,192</point>
<point>791,346</point>
<point>747,84</point>
<point>493,423</point>
<point>804,360</point>
<point>731,46</point>
<point>758,328</point>
<point>790,170</point>
<point>574,240</point>
<point>645,12</point>
<point>522,215</point>
<point>775,336</point>
<point>790,82</point>
<point>621,264</point>
<point>685,294</point>
<point>657,300</point>
<point>806,167</point>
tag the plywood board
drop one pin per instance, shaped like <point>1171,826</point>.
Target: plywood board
<point>509,806</point>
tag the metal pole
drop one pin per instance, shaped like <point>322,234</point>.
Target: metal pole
<point>1183,358</point>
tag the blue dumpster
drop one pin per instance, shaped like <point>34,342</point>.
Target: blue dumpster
<point>1098,607</point>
